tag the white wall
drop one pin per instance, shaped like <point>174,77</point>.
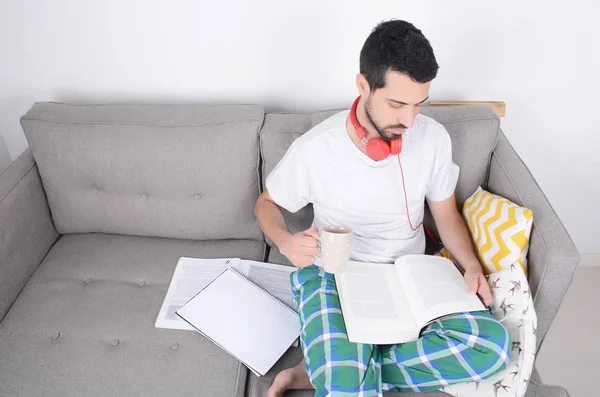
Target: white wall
<point>537,56</point>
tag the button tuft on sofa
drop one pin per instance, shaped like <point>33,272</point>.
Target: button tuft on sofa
<point>56,335</point>
<point>88,280</point>
<point>197,197</point>
<point>115,342</point>
<point>144,196</point>
<point>141,283</point>
<point>175,346</point>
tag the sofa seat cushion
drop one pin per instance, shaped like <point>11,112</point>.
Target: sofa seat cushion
<point>84,323</point>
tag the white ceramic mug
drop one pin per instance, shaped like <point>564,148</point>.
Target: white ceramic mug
<point>335,243</point>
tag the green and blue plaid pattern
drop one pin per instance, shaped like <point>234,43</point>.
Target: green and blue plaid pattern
<point>456,348</point>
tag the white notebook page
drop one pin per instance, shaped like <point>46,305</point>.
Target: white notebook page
<point>244,320</point>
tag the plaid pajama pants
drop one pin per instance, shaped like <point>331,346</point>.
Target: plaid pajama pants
<point>456,348</point>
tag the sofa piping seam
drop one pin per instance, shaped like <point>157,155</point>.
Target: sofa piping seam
<point>19,179</point>
<point>137,122</point>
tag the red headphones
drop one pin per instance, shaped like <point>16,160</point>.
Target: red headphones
<point>377,148</point>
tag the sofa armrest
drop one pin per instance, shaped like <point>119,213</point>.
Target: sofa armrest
<point>552,258</point>
<point>26,228</point>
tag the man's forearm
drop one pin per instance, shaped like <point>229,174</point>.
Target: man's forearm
<point>457,240</point>
<point>270,220</point>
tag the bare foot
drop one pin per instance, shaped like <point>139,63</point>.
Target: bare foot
<point>292,378</point>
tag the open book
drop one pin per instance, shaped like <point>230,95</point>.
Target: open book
<point>391,303</point>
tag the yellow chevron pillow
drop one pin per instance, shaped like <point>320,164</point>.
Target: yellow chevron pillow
<point>500,230</point>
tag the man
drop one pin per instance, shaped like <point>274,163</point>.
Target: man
<point>377,185</point>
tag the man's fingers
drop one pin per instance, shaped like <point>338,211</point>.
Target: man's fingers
<point>308,241</point>
<point>312,252</point>
<point>306,255</point>
<point>485,292</point>
<point>472,285</point>
<point>472,288</point>
<point>307,260</point>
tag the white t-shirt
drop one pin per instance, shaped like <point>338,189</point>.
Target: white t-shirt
<point>347,188</point>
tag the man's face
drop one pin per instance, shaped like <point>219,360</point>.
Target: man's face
<point>393,108</point>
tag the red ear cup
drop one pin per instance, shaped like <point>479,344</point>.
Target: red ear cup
<point>378,149</point>
<point>396,146</point>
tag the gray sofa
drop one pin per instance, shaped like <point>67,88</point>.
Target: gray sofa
<point>95,214</point>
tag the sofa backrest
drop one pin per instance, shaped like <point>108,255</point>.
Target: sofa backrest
<point>175,171</point>
<point>473,129</point>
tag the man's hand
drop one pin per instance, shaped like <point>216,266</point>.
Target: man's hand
<point>476,283</point>
<point>301,248</point>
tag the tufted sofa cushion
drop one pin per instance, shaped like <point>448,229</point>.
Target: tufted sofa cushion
<point>84,324</point>
<point>167,171</point>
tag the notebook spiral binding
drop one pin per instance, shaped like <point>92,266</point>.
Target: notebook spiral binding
<point>276,299</point>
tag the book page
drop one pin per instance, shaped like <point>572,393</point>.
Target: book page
<point>190,276</point>
<point>370,296</point>
<point>434,287</point>
<point>374,306</point>
<point>274,278</point>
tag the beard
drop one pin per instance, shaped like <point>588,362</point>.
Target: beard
<point>387,136</point>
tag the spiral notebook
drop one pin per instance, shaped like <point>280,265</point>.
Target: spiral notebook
<point>243,319</point>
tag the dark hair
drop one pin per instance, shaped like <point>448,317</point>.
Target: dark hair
<point>401,47</point>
